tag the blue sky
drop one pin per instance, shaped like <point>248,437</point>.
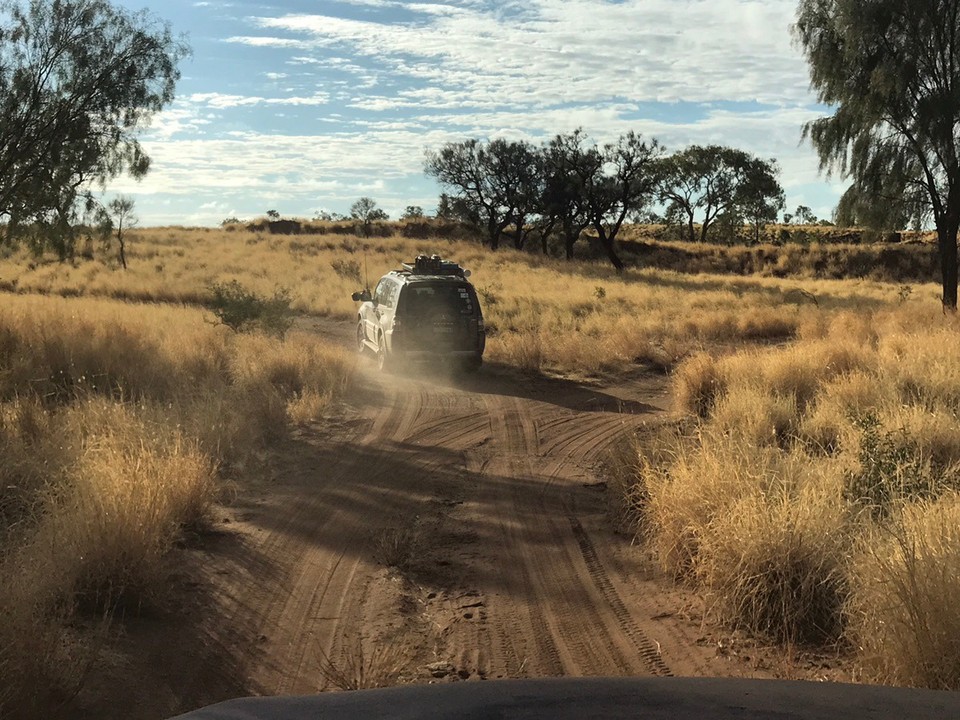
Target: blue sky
<point>306,106</point>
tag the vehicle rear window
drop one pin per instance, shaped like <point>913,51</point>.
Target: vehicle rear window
<point>423,299</point>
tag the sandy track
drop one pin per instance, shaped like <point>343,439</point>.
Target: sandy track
<point>487,495</point>
<point>510,569</point>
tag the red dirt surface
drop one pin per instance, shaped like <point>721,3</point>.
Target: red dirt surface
<point>431,528</point>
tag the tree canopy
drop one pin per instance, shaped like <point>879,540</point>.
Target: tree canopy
<point>571,183</point>
<point>715,181</point>
<point>496,182</point>
<point>618,181</point>
<point>366,212</point>
<point>78,80</point>
<point>891,70</point>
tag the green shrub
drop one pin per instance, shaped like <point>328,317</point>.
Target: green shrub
<point>243,310</point>
<point>891,470</point>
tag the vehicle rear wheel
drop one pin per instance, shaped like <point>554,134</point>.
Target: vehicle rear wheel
<point>361,338</point>
<point>384,361</point>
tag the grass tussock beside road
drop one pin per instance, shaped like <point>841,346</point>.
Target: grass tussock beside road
<point>117,424</point>
<point>813,497</point>
<point>543,314</point>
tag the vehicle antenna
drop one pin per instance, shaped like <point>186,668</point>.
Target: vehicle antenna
<point>366,278</point>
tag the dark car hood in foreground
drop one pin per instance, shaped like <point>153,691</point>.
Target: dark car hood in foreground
<point>607,699</point>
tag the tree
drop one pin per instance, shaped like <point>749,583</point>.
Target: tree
<point>617,181</point>
<point>366,212</point>
<point>412,212</point>
<point>494,182</point>
<point>273,214</point>
<point>457,209</point>
<point>564,201</point>
<point>516,174</point>
<point>804,216</point>
<point>117,218</point>
<point>327,216</point>
<point>760,197</point>
<point>891,68</point>
<point>857,210</point>
<point>680,189</point>
<point>78,80</point>
<point>715,181</point>
<point>462,167</point>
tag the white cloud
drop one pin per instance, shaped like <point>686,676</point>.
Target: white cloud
<point>575,51</point>
<point>177,120</point>
<point>390,151</point>
<point>269,42</point>
<point>685,71</point>
<point>221,100</point>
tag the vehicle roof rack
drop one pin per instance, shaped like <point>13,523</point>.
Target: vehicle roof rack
<point>434,265</point>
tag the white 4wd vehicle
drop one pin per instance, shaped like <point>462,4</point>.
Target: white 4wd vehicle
<point>427,310</point>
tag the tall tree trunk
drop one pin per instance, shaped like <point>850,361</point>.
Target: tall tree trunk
<point>569,238</point>
<point>947,241</point>
<point>703,230</point>
<point>123,255</point>
<point>519,240</point>
<point>691,234</point>
<point>493,233</point>
<point>610,246</point>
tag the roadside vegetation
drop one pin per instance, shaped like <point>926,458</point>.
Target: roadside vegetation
<point>144,409</point>
<point>544,314</point>
<point>812,491</point>
<point>119,426</point>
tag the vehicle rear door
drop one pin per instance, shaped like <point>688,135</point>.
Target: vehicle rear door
<point>442,316</point>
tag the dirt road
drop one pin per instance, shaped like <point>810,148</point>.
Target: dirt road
<point>446,528</point>
<point>484,494</point>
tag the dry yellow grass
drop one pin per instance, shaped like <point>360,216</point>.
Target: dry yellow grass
<point>116,421</point>
<point>804,500</point>
<point>543,314</point>
<point>905,580</point>
<point>758,505</point>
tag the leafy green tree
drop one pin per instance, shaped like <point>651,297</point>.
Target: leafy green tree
<point>564,202</point>
<point>681,180</point>
<point>891,68</point>
<point>458,209</point>
<point>716,181</point>
<point>760,197</point>
<point>856,209</point>
<point>412,212</point>
<point>516,170</point>
<point>117,218</point>
<point>366,213</point>
<point>78,80</point>
<point>463,167</point>
<point>495,182</point>
<point>617,181</point>
<point>804,216</point>
<point>273,214</point>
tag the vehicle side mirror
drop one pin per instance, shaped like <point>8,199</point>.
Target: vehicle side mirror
<point>361,296</point>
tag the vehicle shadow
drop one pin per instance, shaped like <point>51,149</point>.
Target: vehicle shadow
<point>497,379</point>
